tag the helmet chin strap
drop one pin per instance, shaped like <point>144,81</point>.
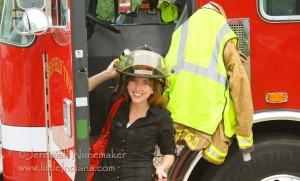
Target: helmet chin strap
<point>120,81</point>
<point>164,84</point>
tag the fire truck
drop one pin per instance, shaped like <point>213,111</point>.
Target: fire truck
<point>49,48</point>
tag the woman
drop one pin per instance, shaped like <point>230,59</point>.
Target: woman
<point>141,122</point>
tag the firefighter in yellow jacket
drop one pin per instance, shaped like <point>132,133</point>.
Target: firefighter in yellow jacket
<point>209,91</point>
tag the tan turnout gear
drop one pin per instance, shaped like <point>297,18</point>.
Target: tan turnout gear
<point>216,7</point>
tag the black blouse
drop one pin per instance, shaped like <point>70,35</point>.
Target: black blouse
<point>130,151</point>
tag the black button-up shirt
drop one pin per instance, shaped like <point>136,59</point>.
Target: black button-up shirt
<point>130,151</point>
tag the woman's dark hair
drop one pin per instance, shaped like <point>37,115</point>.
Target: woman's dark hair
<point>156,99</point>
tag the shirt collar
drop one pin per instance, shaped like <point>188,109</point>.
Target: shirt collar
<point>154,110</point>
<point>126,106</point>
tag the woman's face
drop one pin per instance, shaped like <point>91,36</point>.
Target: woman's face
<point>139,89</point>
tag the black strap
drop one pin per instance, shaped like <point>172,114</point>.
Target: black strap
<point>189,7</point>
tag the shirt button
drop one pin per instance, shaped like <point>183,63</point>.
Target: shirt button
<point>118,177</point>
<point>123,140</point>
<point>122,150</point>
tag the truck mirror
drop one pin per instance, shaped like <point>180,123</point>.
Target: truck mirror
<point>25,4</point>
<point>35,21</point>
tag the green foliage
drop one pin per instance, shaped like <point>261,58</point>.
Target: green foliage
<point>1,6</point>
<point>105,10</point>
<point>134,4</point>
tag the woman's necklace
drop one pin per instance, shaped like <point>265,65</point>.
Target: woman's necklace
<point>136,113</point>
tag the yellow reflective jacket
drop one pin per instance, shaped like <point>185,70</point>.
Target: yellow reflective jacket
<point>198,92</point>
<point>199,81</point>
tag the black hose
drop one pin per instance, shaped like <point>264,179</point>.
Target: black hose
<point>102,23</point>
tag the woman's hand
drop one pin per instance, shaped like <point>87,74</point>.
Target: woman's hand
<point>161,174</point>
<point>111,71</point>
<point>162,169</point>
<point>108,73</point>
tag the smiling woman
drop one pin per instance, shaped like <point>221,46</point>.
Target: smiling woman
<point>142,122</point>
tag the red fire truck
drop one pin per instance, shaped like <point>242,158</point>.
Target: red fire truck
<point>49,48</point>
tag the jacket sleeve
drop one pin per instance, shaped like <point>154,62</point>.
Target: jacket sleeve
<point>171,80</point>
<point>240,91</point>
<point>166,141</point>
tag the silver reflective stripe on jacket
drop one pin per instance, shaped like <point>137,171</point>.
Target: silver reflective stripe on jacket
<point>211,71</point>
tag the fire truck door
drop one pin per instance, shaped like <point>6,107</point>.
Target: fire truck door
<point>67,100</point>
<point>60,94</point>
